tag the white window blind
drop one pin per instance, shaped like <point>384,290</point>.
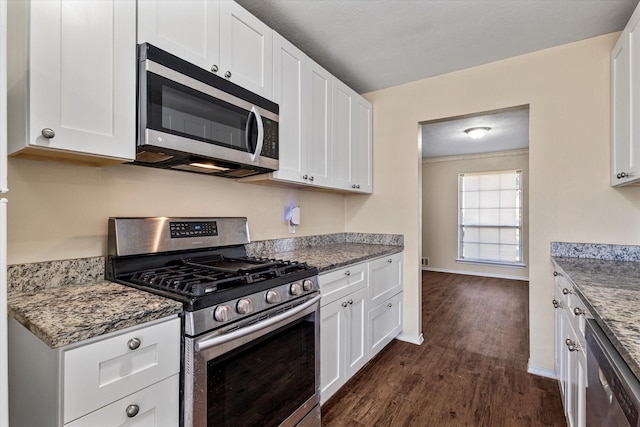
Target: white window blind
<point>490,217</point>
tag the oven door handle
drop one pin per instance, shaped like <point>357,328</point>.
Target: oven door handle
<point>211,342</point>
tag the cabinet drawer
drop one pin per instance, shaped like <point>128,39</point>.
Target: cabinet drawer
<point>339,283</point>
<point>385,276</point>
<point>385,323</point>
<point>157,406</point>
<point>104,371</point>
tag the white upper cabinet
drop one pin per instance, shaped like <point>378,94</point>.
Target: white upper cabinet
<point>219,36</point>
<point>72,80</point>
<point>625,102</point>
<point>351,158</point>
<point>302,89</point>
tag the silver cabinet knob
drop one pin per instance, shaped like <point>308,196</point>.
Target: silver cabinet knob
<point>305,176</point>
<point>555,273</point>
<point>132,410</point>
<point>390,305</point>
<point>358,186</point>
<point>578,311</point>
<point>133,343</point>
<point>227,74</point>
<point>353,186</point>
<point>308,285</point>
<point>48,133</point>
<point>344,304</point>
<point>555,304</point>
<point>566,291</point>
<point>244,306</point>
<point>389,260</point>
<point>214,68</point>
<point>311,178</point>
<point>273,297</point>
<point>347,273</point>
<point>622,175</point>
<point>222,313</point>
<point>350,302</point>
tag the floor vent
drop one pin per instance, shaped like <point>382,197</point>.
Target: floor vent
<point>425,262</point>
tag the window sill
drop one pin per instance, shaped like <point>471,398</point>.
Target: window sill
<point>493,263</point>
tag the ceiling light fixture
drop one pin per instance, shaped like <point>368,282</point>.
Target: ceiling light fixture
<point>477,132</point>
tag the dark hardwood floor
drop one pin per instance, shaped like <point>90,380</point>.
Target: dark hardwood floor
<point>471,369</point>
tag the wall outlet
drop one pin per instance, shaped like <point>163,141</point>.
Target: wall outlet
<point>425,262</point>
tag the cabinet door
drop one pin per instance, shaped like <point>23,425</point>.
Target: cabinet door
<point>385,323</point>
<point>356,334</point>
<point>99,373</point>
<point>82,77</point>
<point>560,348</point>
<point>189,29</point>
<point>319,120</point>
<point>246,54</point>
<point>361,156</point>
<point>342,146</point>
<point>154,406</point>
<point>291,85</point>
<point>620,109</point>
<point>385,278</point>
<point>332,319</point>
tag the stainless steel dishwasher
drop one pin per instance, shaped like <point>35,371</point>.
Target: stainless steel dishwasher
<point>613,391</point>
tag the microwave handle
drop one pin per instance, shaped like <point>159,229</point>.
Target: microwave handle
<point>260,139</point>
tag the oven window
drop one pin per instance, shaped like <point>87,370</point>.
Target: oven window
<point>264,381</point>
<point>182,111</point>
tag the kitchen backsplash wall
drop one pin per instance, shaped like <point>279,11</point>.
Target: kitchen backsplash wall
<point>294,243</point>
<point>60,211</point>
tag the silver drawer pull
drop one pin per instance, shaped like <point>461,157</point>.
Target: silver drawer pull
<point>347,273</point>
<point>132,410</point>
<point>389,260</point>
<point>133,343</point>
<point>390,305</point>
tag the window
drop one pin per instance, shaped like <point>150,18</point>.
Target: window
<point>490,217</point>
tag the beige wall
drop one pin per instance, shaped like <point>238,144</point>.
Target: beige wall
<point>440,209</point>
<point>567,89</point>
<point>60,211</point>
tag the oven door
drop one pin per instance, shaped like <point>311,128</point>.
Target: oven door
<point>266,373</point>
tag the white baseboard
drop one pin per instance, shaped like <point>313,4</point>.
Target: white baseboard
<point>473,273</point>
<point>542,372</point>
<point>412,340</point>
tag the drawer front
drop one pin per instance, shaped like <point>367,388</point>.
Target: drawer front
<point>385,278</point>
<point>157,406</point>
<point>102,372</point>
<point>385,323</point>
<point>339,283</point>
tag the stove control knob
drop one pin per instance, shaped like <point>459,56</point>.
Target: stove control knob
<point>296,289</point>
<point>222,313</point>
<point>244,306</point>
<point>273,297</point>
<point>308,285</point>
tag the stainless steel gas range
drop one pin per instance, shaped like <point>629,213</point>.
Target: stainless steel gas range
<point>250,326</point>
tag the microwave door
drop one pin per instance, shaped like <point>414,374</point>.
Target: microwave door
<point>254,117</point>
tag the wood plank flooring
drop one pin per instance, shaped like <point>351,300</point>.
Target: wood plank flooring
<point>471,369</point>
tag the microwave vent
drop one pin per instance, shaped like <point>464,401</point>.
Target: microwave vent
<point>152,157</point>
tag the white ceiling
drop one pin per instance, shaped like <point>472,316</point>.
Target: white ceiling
<point>374,44</point>
<point>509,131</point>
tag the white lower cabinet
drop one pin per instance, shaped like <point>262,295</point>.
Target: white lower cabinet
<point>351,330</point>
<point>130,377</point>
<point>570,351</point>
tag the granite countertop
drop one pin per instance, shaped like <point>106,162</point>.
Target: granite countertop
<point>333,256</point>
<point>69,314</point>
<point>611,291</point>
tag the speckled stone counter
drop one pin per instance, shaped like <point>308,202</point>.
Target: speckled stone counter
<point>64,302</point>
<point>611,291</point>
<point>330,251</point>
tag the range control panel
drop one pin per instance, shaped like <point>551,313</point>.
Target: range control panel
<point>193,229</point>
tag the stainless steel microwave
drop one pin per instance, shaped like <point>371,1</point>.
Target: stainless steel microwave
<point>192,120</point>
